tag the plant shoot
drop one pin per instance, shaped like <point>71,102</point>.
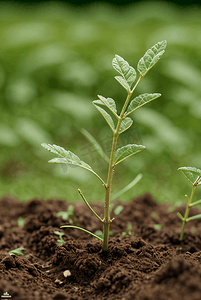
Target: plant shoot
<point>194,176</point>
<point>118,123</point>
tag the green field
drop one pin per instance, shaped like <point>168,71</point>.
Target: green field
<point>54,60</point>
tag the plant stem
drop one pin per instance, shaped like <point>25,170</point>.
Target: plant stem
<point>87,203</point>
<point>106,220</point>
<point>187,212</point>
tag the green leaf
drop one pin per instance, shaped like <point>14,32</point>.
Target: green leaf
<point>106,116</point>
<point>118,209</point>
<point>192,174</point>
<point>157,226</point>
<point>128,187</point>
<point>17,251</point>
<point>125,124</point>
<point>180,216</point>
<point>126,151</point>
<point>123,82</point>
<point>127,72</point>
<point>151,57</point>
<point>20,222</point>
<point>67,157</point>
<point>109,102</point>
<point>60,241</point>
<point>140,101</point>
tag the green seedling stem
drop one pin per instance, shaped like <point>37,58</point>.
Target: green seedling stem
<point>194,176</point>
<point>128,80</point>
<point>107,220</point>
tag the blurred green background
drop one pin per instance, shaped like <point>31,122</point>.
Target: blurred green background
<point>55,59</point>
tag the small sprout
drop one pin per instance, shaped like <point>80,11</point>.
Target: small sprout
<point>129,227</point>
<point>20,222</point>
<point>118,209</point>
<point>60,234</point>
<point>67,215</point>
<point>157,226</point>
<point>154,215</point>
<point>17,251</point>
<point>67,273</point>
<point>194,177</point>
<point>129,78</point>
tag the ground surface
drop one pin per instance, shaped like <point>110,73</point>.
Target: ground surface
<point>151,265</point>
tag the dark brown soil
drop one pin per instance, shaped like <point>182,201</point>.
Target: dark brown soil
<point>150,265</point>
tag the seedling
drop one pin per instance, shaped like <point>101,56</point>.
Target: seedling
<point>20,222</point>
<point>129,227</point>
<point>129,80</point>
<point>157,226</point>
<point>194,176</point>
<point>60,234</point>
<point>17,251</point>
<point>67,215</point>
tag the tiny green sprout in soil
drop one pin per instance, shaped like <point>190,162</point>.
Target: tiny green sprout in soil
<point>68,215</point>
<point>194,177</point>
<point>17,251</point>
<point>20,222</point>
<point>118,209</point>
<point>60,234</point>
<point>129,227</point>
<point>118,123</point>
<point>157,226</point>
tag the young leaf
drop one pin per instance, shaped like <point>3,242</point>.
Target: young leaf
<point>125,124</point>
<point>126,151</point>
<point>67,157</point>
<point>140,101</point>
<point>118,209</point>
<point>60,234</point>
<point>17,251</point>
<point>123,82</point>
<point>20,222</point>
<point>151,57</point>
<point>127,72</point>
<point>109,102</point>
<point>157,226</point>
<point>106,116</point>
<point>192,174</point>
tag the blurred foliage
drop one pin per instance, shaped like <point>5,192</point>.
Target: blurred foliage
<point>54,60</point>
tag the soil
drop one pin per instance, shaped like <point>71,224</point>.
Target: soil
<point>150,263</point>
